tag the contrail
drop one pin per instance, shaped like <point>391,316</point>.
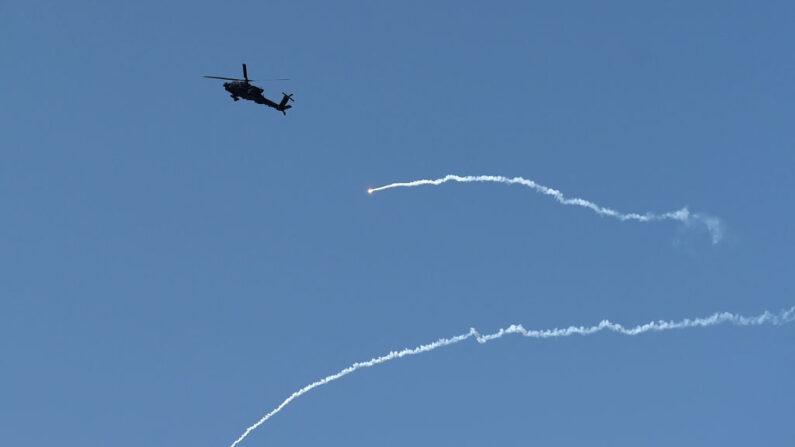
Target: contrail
<point>783,317</point>
<point>712,224</point>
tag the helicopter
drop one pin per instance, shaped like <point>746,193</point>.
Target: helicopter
<point>242,88</point>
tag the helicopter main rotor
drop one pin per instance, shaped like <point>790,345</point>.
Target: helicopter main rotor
<point>245,77</point>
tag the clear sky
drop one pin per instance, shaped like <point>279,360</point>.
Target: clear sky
<point>175,264</point>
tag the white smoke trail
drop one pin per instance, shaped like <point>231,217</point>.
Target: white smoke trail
<point>712,224</point>
<point>785,316</point>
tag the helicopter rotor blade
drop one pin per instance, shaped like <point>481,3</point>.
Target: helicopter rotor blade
<point>227,79</point>
<point>245,73</point>
<point>247,80</point>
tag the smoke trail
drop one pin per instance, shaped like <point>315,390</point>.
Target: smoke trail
<point>712,224</point>
<point>785,316</point>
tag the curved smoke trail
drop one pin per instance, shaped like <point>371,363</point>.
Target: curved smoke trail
<point>712,224</point>
<point>785,316</point>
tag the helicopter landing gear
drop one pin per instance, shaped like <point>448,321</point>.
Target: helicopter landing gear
<point>235,98</point>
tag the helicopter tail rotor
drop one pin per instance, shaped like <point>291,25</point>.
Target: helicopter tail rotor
<point>285,99</point>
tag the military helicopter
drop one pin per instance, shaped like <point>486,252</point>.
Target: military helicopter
<point>242,88</point>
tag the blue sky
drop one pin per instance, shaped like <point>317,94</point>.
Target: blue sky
<point>175,264</point>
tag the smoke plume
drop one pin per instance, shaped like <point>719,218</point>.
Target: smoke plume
<point>783,317</point>
<point>712,224</point>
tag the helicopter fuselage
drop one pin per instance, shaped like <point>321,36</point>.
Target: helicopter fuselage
<point>245,90</point>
